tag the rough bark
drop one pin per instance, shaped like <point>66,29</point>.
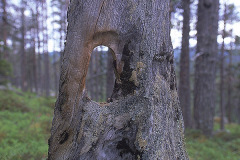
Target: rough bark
<point>184,84</point>
<point>205,65</point>
<point>90,80</point>
<point>144,119</point>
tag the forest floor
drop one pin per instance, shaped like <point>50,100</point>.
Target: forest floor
<point>25,123</point>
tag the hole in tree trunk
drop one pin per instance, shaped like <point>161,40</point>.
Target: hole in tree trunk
<point>100,77</point>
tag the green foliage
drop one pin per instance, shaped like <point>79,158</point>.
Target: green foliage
<point>222,146</point>
<point>5,71</point>
<point>25,122</point>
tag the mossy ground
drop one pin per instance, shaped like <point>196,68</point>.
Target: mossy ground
<point>25,122</point>
<point>221,146</point>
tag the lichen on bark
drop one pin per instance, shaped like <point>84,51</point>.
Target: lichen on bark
<point>144,120</point>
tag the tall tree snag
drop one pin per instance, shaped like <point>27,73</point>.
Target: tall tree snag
<point>144,120</point>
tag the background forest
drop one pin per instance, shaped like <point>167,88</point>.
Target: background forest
<point>32,38</point>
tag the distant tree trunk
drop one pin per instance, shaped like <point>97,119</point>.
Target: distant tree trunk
<point>23,54</point>
<point>34,34</point>
<point>93,81</point>
<point>110,76</point>
<point>96,75</point>
<point>29,68</point>
<point>45,49</point>
<point>35,80</point>
<point>229,86</point>
<point>102,80</point>
<point>205,65</point>
<point>184,84</point>
<point>63,29</point>
<point>55,70</point>
<point>61,45</point>
<point>47,76</point>
<point>221,86</point>
<point>144,120</point>
<point>39,60</point>
<point>4,29</point>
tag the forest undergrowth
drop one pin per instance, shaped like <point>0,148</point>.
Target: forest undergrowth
<point>25,123</point>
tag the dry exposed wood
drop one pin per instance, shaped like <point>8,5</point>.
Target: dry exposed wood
<point>144,120</point>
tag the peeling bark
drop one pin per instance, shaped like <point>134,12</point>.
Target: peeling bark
<point>144,120</point>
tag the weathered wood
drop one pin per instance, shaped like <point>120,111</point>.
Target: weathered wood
<point>144,120</point>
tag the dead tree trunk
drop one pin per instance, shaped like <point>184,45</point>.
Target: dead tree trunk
<point>144,120</point>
